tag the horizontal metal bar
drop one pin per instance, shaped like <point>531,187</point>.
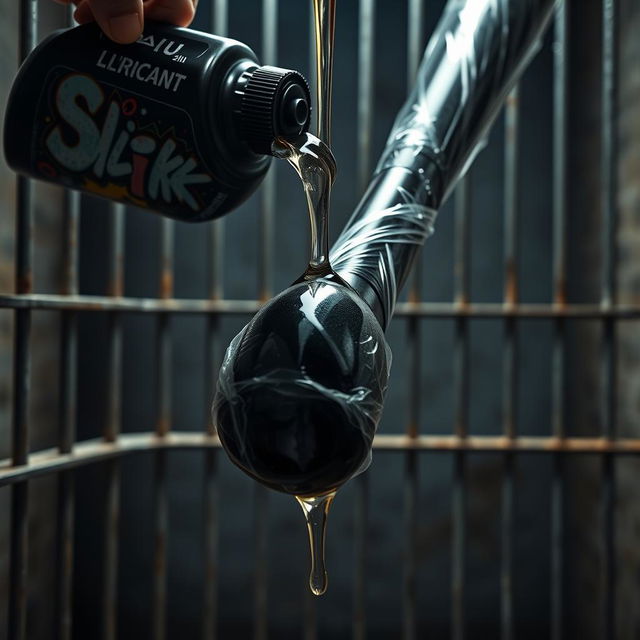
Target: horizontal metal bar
<point>138,305</point>
<point>88,451</point>
<point>520,444</point>
<point>52,302</point>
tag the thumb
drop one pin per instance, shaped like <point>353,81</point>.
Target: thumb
<point>121,20</point>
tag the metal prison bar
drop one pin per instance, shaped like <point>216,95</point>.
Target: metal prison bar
<point>69,454</point>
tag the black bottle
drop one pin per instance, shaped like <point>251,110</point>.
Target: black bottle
<point>179,122</point>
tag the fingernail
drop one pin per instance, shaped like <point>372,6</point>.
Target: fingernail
<point>125,28</point>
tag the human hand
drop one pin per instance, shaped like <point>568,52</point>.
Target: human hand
<point>123,20</point>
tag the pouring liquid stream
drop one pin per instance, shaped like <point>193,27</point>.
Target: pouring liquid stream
<point>313,161</point>
<point>324,13</point>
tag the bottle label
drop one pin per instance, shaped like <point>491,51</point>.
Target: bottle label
<point>121,144</point>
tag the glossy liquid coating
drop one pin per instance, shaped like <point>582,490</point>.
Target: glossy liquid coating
<point>316,511</point>
<point>301,388</point>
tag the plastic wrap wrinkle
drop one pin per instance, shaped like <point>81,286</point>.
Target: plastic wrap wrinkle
<point>357,403</point>
<point>473,59</point>
<point>470,48</point>
<point>313,358</point>
<point>364,249</point>
<point>420,123</point>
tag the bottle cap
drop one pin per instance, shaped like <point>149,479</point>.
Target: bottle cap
<point>275,103</point>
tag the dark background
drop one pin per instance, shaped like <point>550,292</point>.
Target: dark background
<point>288,555</point>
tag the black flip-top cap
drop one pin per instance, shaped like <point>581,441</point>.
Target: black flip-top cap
<point>276,103</point>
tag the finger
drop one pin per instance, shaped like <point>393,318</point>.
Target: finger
<point>83,13</point>
<point>121,20</point>
<point>180,12</point>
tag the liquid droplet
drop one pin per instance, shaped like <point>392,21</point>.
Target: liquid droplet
<point>315,511</point>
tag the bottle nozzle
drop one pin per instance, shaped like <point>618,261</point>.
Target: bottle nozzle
<point>275,103</point>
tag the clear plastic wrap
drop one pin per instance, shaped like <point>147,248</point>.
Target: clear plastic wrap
<point>369,239</point>
<point>301,389</point>
<point>473,58</point>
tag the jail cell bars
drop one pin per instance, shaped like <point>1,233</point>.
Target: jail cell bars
<point>70,454</point>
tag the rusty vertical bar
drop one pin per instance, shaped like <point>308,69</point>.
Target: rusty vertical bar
<point>410,523</point>
<point>64,559</point>
<point>366,41</point>
<point>608,169</point>
<point>18,570</point>
<point>215,252</point>
<point>115,288</point>
<point>313,75</point>
<point>210,610</point>
<point>219,26</point>
<point>361,512</point>
<point>163,425</point>
<point>310,605</point>
<point>163,344</point>
<point>161,516</point>
<point>510,385</point>
<point>67,420</point>
<point>67,408</point>
<point>608,159</point>
<point>260,528</point>
<point>510,252</point>
<point>265,280</point>
<point>558,407</point>
<point>110,558</point>
<point>211,497</point>
<point>18,551</point>
<point>415,40</point>
<point>67,417</point>
<point>112,425</point>
<point>268,189</point>
<point>461,398</point>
